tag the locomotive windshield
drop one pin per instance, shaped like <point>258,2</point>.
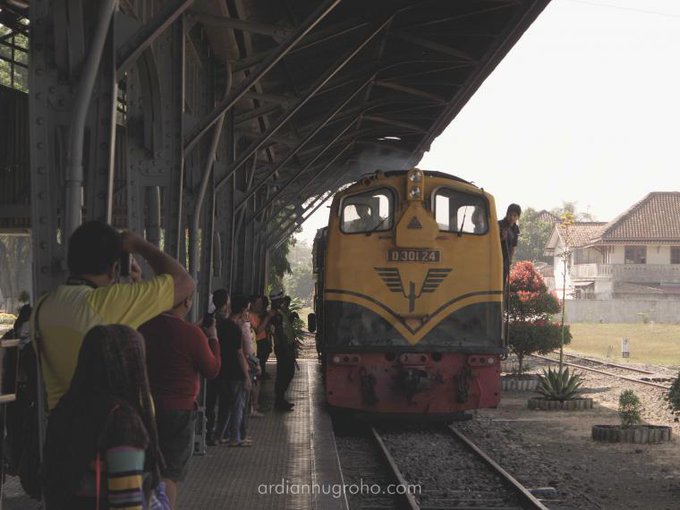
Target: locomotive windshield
<point>371,211</point>
<point>460,212</point>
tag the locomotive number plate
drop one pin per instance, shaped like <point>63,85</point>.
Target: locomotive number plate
<point>413,255</point>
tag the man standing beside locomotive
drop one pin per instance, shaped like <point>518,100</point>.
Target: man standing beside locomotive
<point>509,231</point>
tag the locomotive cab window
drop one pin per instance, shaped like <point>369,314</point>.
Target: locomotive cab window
<point>460,212</point>
<point>367,212</point>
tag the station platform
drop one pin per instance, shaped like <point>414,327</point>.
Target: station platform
<point>293,463</point>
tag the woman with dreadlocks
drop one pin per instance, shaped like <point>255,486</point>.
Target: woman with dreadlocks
<point>101,449</point>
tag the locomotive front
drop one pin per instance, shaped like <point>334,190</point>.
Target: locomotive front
<point>411,296</point>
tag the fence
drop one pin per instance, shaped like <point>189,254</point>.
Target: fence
<point>622,311</point>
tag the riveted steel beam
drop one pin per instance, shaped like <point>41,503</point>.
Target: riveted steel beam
<point>440,48</point>
<point>74,166</point>
<point>316,174</point>
<point>306,167</point>
<point>284,224</point>
<point>410,90</point>
<point>247,116</point>
<point>394,122</point>
<point>330,33</point>
<point>310,136</point>
<point>139,42</point>
<point>315,89</point>
<point>49,251</point>
<point>501,4</point>
<point>288,231</point>
<point>277,32</point>
<point>279,99</point>
<point>261,70</point>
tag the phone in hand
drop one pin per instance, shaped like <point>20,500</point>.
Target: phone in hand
<point>124,264</point>
<point>208,320</point>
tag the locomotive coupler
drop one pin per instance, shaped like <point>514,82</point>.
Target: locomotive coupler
<point>463,385</point>
<point>413,380</point>
<point>367,382</point>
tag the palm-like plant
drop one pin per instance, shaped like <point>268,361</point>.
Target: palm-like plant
<point>559,384</point>
<point>629,408</point>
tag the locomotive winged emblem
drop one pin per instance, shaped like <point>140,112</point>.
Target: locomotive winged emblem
<point>392,279</point>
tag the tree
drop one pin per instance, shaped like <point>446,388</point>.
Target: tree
<point>534,236</point>
<point>536,229</point>
<point>278,264</point>
<point>299,283</point>
<point>570,207</point>
<point>531,309</point>
<point>15,269</point>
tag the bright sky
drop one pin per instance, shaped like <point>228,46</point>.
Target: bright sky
<point>585,108</point>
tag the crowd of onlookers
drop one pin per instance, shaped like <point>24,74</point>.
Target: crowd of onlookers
<point>122,371</point>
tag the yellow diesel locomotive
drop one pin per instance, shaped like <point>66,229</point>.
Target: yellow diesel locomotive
<point>409,296</point>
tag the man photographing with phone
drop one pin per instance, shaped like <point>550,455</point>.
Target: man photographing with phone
<point>92,295</point>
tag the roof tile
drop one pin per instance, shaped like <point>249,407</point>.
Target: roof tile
<point>654,218</point>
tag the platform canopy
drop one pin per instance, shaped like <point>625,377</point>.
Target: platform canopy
<point>228,119</point>
<point>354,85</point>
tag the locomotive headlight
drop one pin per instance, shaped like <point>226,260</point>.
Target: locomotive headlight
<point>336,359</point>
<point>414,184</point>
<point>491,360</point>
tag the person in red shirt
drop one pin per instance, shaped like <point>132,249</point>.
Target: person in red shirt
<point>178,353</point>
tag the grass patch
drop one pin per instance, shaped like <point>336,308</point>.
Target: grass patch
<point>658,344</point>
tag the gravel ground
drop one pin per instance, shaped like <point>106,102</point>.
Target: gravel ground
<point>554,449</point>
<point>460,478</point>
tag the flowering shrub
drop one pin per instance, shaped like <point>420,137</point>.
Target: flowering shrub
<point>531,308</point>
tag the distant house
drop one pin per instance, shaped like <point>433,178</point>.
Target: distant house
<point>635,256</point>
<point>547,217</point>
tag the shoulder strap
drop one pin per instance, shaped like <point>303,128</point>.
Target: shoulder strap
<point>37,336</point>
<point>41,391</point>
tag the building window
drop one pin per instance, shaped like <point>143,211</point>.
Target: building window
<point>636,255</point>
<point>675,254</point>
<point>14,52</point>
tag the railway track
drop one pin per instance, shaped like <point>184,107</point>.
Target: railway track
<point>463,477</point>
<point>624,372</point>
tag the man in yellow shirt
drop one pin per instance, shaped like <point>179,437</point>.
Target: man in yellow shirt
<point>93,296</point>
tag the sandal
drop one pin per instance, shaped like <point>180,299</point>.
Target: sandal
<point>242,444</point>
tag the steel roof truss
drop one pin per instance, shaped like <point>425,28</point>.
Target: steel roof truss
<point>278,33</point>
<point>311,135</point>
<point>318,86</point>
<point>129,51</point>
<point>262,70</point>
<point>298,174</point>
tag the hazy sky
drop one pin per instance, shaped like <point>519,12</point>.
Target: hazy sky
<point>585,108</point>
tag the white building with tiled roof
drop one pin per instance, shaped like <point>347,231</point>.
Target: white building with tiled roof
<point>634,256</point>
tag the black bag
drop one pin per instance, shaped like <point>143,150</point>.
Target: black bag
<point>29,461</point>
<point>23,450</point>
